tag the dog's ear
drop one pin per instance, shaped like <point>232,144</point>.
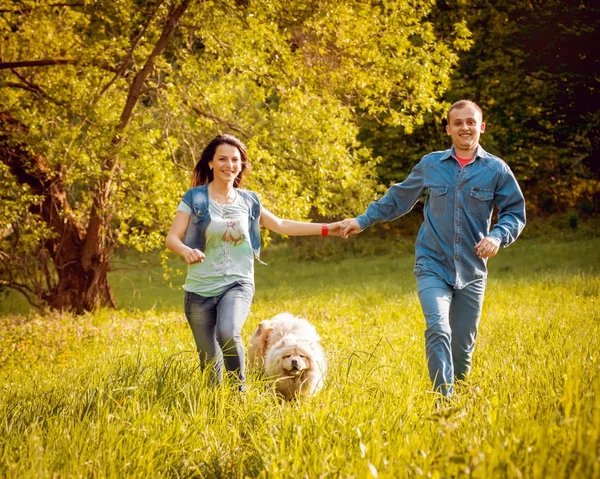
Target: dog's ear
<point>265,328</point>
<point>262,333</point>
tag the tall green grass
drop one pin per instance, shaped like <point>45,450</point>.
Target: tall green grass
<point>119,393</point>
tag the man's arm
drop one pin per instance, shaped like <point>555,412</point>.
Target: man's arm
<point>511,210</point>
<point>399,200</point>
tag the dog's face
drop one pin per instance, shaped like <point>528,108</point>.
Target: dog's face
<point>295,360</point>
<point>290,357</point>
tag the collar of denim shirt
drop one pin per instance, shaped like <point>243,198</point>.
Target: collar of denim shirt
<point>479,153</point>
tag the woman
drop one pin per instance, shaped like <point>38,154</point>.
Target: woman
<point>216,230</point>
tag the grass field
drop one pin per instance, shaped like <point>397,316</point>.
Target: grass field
<point>119,393</point>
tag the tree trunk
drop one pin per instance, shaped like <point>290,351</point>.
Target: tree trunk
<point>80,289</point>
<point>70,284</point>
<point>77,280</point>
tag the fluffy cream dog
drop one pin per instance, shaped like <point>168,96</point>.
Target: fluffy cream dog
<point>288,349</point>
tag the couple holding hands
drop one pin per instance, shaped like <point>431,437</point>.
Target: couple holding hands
<point>216,230</point>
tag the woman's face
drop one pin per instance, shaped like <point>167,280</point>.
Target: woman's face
<point>226,164</point>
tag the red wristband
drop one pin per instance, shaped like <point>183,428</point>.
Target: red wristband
<point>324,230</point>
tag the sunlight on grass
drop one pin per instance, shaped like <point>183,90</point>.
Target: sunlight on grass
<point>119,393</point>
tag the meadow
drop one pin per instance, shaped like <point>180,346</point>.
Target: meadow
<point>120,394</point>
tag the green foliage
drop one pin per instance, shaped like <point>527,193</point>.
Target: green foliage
<point>532,70</point>
<point>290,78</point>
<point>119,394</point>
<point>21,232</point>
<point>532,73</point>
<point>284,76</point>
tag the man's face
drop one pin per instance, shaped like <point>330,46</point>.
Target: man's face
<point>465,127</point>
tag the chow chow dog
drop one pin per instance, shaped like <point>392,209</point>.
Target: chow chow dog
<point>288,349</point>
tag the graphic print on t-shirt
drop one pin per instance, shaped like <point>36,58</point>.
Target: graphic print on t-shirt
<point>233,233</point>
<point>232,237</point>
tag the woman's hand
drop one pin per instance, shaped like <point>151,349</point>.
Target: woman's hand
<point>194,256</point>
<point>174,243</point>
<point>334,229</point>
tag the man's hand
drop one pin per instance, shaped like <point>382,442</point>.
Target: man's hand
<point>350,227</point>
<point>488,247</point>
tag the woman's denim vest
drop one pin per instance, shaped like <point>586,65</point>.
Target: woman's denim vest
<point>197,199</point>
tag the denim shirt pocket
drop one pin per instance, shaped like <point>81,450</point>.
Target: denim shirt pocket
<point>438,199</point>
<point>197,216</point>
<point>481,202</point>
<point>193,236</point>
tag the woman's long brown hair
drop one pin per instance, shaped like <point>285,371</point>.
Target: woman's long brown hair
<point>202,174</point>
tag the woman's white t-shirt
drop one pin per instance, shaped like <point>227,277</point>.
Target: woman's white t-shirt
<point>229,256</point>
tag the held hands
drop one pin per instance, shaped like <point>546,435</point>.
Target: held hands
<point>343,228</point>
<point>334,229</point>
<point>488,247</point>
<point>349,227</point>
<point>193,256</point>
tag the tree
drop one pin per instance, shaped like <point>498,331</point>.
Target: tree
<point>542,105</point>
<point>69,270</point>
<point>533,69</point>
<point>105,107</point>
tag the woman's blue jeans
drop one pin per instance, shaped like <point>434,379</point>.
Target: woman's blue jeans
<point>452,318</point>
<point>216,324</point>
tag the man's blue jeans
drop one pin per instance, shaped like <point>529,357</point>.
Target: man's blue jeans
<point>216,324</point>
<point>452,317</point>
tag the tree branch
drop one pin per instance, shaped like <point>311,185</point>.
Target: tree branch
<point>29,9</point>
<point>139,80</point>
<point>32,87</point>
<point>9,280</point>
<point>127,60</point>
<point>36,63</point>
<point>221,120</point>
<point>98,217</point>
<point>25,291</point>
<point>32,170</point>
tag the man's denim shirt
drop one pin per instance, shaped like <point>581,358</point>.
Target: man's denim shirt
<point>458,208</point>
<point>197,199</point>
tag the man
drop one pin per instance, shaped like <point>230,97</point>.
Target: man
<point>455,240</point>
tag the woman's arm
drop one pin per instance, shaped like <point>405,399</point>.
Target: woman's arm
<point>174,243</point>
<point>295,228</point>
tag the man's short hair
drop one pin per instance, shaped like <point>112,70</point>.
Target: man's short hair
<point>461,104</point>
